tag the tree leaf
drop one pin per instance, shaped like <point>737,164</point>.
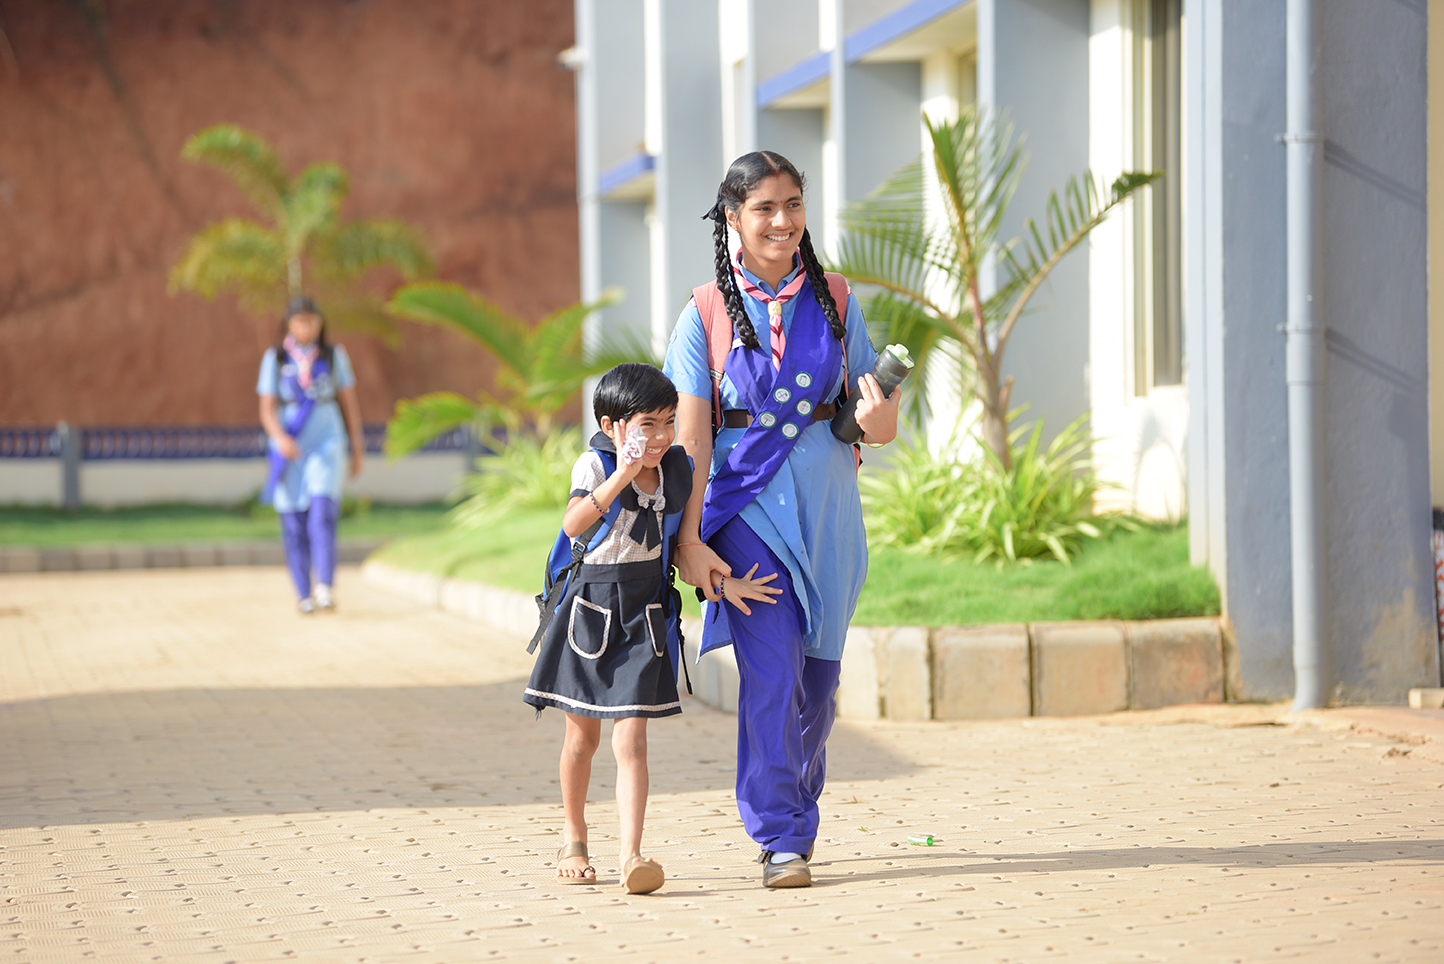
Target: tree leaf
<point>419,420</point>
<point>452,306</point>
<point>356,247</point>
<point>251,162</point>
<point>236,256</point>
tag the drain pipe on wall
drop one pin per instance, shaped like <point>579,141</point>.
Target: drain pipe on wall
<point>1306,359</point>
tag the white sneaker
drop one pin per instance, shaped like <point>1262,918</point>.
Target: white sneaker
<point>307,606</point>
<point>324,600</point>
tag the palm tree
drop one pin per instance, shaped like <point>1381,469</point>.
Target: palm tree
<point>304,243</point>
<point>924,242</point>
<point>542,365</point>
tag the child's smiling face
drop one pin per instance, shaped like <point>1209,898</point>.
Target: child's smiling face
<point>659,428</point>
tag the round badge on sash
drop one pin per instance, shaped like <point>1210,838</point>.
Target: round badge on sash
<point>789,430</point>
<point>804,407</point>
<point>803,380</point>
<point>782,395</point>
<point>767,419</point>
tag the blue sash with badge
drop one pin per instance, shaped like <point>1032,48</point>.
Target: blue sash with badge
<point>781,401</point>
<point>305,405</point>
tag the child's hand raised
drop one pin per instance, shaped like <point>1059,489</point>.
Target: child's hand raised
<point>738,591</point>
<point>630,445</point>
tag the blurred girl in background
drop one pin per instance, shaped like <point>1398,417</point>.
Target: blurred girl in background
<point>310,411</point>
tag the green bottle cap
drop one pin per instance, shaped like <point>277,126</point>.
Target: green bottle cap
<point>901,353</point>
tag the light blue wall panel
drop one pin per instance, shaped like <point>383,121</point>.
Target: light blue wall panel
<point>1376,283</point>
<point>797,135</point>
<point>1033,65</point>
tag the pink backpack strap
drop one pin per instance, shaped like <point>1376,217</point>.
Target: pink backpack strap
<point>718,327</point>
<point>840,289</point>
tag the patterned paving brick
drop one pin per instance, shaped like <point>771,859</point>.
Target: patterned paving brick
<point>189,771</point>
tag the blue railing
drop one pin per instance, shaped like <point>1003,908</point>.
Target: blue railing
<point>177,441</point>
<point>29,443</point>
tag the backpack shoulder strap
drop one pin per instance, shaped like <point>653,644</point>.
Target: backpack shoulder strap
<point>840,289</point>
<point>557,581</point>
<point>718,328</point>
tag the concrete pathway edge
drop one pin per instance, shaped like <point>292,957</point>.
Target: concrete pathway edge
<point>916,673</point>
<point>165,555</point>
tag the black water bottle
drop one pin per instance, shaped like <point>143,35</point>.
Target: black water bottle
<point>893,365</point>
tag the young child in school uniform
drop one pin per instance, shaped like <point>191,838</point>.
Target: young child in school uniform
<point>604,651</point>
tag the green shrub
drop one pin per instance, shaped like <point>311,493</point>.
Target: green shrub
<point>527,472</point>
<point>941,505</point>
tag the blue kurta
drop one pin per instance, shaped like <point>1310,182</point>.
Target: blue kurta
<point>810,513</point>
<point>321,469</point>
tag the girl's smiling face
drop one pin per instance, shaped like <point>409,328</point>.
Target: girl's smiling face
<point>659,428</point>
<point>770,224</point>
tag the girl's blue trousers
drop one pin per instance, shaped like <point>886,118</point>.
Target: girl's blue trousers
<point>785,706</point>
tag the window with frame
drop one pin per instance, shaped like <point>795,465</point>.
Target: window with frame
<point>1157,211</point>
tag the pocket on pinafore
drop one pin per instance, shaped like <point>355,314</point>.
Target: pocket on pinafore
<point>589,625</point>
<point>657,628</point>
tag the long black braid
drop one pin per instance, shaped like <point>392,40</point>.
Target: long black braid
<point>727,284</point>
<point>820,289</point>
<point>742,179</point>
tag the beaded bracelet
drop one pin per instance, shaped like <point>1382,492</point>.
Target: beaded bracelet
<point>598,505</point>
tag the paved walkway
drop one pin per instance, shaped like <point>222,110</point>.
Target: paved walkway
<point>189,771</point>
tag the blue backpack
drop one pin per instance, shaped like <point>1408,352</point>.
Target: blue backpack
<point>566,557</point>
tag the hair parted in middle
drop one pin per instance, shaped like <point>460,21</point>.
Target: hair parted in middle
<point>631,389</point>
<point>742,179</point>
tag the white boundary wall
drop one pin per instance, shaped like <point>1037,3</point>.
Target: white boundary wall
<point>422,477</point>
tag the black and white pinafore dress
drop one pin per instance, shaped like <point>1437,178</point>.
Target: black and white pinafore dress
<point>604,653</point>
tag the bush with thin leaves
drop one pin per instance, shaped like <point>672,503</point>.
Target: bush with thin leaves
<point>526,472</point>
<point>1041,506</point>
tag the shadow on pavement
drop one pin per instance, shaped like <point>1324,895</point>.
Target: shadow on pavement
<point>1241,858</point>
<point>198,753</point>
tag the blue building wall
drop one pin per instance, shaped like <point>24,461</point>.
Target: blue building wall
<point>1381,627</point>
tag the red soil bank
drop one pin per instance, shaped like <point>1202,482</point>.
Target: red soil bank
<point>451,114</point>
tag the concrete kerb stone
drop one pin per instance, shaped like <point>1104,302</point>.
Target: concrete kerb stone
<point>915,673</point>
<point>1173,661</point>
<point>858,692</point>
<point>94,557</point>
<point>102,556</point>
<point>20,559</point>
<point>1079,668</point>
<point>981,672</point>
<point>904,675</point>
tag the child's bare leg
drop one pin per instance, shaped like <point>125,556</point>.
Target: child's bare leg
<point>580,744</point>
<point>629,744</point>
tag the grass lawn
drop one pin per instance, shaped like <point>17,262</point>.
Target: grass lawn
<point>1126,575</point>
<point>1129,575</point>
<point>25,525</point>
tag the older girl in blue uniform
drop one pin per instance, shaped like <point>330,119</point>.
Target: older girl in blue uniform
<point>309,410</point>
<point>774,488</point>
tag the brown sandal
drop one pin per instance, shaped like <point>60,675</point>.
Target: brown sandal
<point>641,875</point>
<point>575,849</point>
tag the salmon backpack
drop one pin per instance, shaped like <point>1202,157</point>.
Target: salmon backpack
<point>718,326</point>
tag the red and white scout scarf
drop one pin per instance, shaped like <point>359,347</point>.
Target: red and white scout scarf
<point>774,306</point>
<point>304,356</point>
